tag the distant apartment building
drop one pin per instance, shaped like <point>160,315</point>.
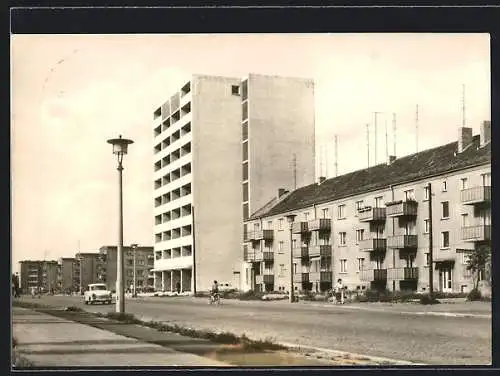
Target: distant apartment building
<point>143,266</point>
<point>85,269</point>
<point>66,277</point>
<point>371,227</point>
<point>38,274</point>
<point>221,146</point>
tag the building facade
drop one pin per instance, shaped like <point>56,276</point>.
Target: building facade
<point>144,263</point>
<point>41,275</point>
<point>85,269</point>
<point>205,137</point>
<point>371,228</point>
<point>66,277</point>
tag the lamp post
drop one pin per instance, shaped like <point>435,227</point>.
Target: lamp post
<point>120,146</point>
<point>134,289</point>
<point>291,218</point>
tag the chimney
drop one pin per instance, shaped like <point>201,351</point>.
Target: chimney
<point>281,192</point>
<point>485,132</point>
<point>464,138</point>
<point>321,179</point>
<point>391,160</point>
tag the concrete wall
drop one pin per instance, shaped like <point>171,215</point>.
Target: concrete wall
<point>216,179</point>
<point>281,123</point>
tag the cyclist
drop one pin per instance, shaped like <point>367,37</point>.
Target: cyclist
<point>339,291</point>
<point>214,292</point>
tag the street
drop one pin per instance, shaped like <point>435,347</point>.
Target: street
<point>425,339</point>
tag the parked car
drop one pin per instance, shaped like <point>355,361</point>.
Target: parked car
<point>97,292</point>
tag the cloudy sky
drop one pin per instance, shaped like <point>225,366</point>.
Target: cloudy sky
<point>70,93</point>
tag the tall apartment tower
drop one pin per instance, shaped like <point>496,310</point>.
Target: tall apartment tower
<point>222,146</point>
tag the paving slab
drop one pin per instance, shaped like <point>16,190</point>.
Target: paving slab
<point>49,341</point>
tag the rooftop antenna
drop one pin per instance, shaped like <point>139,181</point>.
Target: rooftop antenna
<point>368,142</point>
<point>416,128</point>
<point>336,155</point>
<point>376,115</point>
<point>294,171</point>
<point>463,105</point>
<point>394,130</point>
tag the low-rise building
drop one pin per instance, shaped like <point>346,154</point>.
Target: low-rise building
<point>371,227</point>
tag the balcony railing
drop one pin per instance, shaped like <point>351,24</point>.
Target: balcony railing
<point>369,245</point>
<point>476,233</point>
<point>320,250</point>
<point>402,241</point>
<point>475,195</point>
<point>403,274</point>
<point>301,252</point>
<point>259,256</point>
<point>402,209</point>
<point>268,256</point>
<point>299,227</point>
<point>373,275</point>
<point>259,235</point>
<point>248,256</point>
<point>322,224</point>
<point>324,276</point>
<point>370,214</point>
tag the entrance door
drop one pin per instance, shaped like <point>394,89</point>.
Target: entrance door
<point>445,279</point>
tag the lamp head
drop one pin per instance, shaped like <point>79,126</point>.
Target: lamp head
<point>291,217</point>
<point>120,145</point>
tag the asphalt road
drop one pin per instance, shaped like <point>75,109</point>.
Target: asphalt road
<point>433,340</point>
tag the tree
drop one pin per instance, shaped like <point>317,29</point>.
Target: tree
<point>479,260</point>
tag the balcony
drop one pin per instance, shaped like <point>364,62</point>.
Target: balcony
<point>322,224</point>
<point>403,274</point>
<point>402,241</point>
<point>259,279</point>
<point>323,276</point>
<point>320,250</point>
<point>373,275</point>
<point>248,256</point>
<point>258,256</point>
<point>476,195</point>
<point>370,214</point>
<point>402,209</point>
<point>302,252</point>
<point>369,245</point>
<point>299,228</point>
<point>259,235</point>
<point>268,256</point>
<point>478,233</point>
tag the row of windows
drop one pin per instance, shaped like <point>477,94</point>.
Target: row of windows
<point>173,104</point>
<point>184,251</point>
<point>173,234</point>
<point>173,195</point>
<point>171,120</point>
<point>173,156</point>
<point>173,214</point>
<point>173,175</point>
<point>178,134</point>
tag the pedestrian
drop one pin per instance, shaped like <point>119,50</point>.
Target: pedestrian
<point>178,287</point>
<point>339,291</point>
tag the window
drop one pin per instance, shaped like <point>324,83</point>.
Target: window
<point>280,247</point>
<point>466,256</point>
<point>342,238</point>
<point>326,213</point>
<point>245,131</point>
<point>358,205</point>
<point>269,225</point>
<point>245,151</point>
<point>379,201</point>
<point>463,183</point>
<point>282,269</point>
<point>443,186</point>
<point>343,266</point>
<point>445,212</point>
<point>280,224</point>
<point>465,220</point>
<point>244,90</point>
<point>245,211</point>
<point>244,112</point>
<point>235,90</point>
<point>486,180</point>
<point>245,192</point>
<point>409,195</point>
<point>306,216</point>
<point>294,243</point>
<point>294,268</point>
<point>426,226</point>
<point>445,239</point>
<point>245,171</point>
<point>341,212</point>
<point>426,193</point>
<point>256,226</point>
<point>359,235</point>
<point>361,264</point>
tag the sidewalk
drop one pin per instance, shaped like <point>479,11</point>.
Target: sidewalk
<point>49,341</point>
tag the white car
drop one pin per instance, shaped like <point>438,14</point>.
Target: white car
<point>97,292</point>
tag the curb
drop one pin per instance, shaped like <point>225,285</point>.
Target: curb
<point>352,355</point>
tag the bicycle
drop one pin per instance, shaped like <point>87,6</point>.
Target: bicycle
<point>214,299</point>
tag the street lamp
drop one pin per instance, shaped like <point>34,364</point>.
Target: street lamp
<point>120,146</point>
<point>291,218</point>
<point>134,291</point>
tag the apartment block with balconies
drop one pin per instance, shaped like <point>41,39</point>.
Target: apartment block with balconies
<point>376,223</point>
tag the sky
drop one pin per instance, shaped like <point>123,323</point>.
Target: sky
<point>70,93</point>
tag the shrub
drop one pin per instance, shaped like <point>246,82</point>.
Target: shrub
<point>449,295</point>
<point>474,295</point>
<point>74,309</point>
<point>127,318</point>
<point>251,295</point>
<point>427,299</point>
